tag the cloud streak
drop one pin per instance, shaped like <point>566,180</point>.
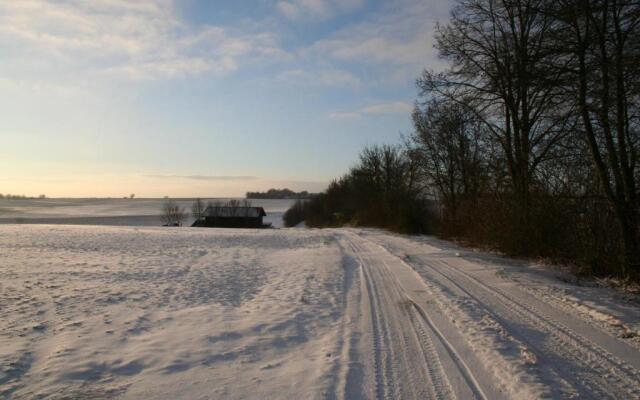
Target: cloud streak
<point>327,77</point>
<point>137,40</point>
<point>146,40</point>
<point>392,45</point>
<point>316,9</point>
<point>205,177</point>
<point>395,107</point>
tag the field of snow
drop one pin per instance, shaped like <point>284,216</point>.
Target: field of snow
<point>118,212</point>
<point>187,313</point>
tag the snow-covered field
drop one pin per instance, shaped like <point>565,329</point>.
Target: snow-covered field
<point>187,313</point>
<point>124,212</point>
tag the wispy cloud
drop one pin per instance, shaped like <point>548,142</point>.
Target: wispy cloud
<point>345,115</point>
<point>205,177</point>
<point>142,40</point>
<point>393,44</point>
<point>395,107</point>
<point>389,46</point>
<point>319,77</point>
<point>74,40</point>
<point>316,9</point>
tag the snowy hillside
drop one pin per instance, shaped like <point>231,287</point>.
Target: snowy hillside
<point>164,313</point>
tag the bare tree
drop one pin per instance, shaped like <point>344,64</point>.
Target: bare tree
<point>214,205</point>
<point>600,41</point>
<point>449,145</point>
<point>233,203</point>
<point>499,71</point>
<point>172,213</point>
<point>197,208</point>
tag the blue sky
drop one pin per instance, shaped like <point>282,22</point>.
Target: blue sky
<point>203,97</point>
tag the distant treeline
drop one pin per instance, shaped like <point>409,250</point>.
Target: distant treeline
<point>529,142</point>
<point>381,191</point>
<point>279,194</point>
<point>20,197</point>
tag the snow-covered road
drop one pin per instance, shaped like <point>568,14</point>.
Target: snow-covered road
<point>117,312</point>
<point>447,326</point>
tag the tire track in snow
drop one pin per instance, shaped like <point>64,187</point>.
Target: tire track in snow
<point>429,382</point>
<point>405,360</point>
<point>540,354</point>
<point>425,322</point>
<point>593,357</point>
<point>613,378</point>
<point>440,386</point>
<point>382,383</point>
<point>384,380</point>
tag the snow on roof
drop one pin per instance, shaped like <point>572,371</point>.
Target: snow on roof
<point>223,211</point>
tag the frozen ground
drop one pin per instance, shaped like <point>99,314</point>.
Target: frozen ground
<point>118,212</point>
<point>180,313</point>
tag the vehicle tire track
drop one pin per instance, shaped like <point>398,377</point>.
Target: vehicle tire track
<point>426,323</point>
<point>595,358</point>
<point>441,389</point>
<point>382,378</point>
<point>614,377</point>
<point>406,362</point>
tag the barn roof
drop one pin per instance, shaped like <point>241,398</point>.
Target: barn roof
<point>229,212</point>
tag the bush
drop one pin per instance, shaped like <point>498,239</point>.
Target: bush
<point>296,214</point>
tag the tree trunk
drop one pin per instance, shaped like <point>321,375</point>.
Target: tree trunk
<point>628,218</point>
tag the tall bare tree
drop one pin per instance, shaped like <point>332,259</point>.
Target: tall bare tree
<point>499,60</point>
<point>600,41</point>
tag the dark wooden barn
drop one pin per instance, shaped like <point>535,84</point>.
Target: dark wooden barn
<point>232,217</point>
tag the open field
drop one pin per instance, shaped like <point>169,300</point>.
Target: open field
<point>182,313</point>
<point>118,212</point>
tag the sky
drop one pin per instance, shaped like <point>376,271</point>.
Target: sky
<point>185,98</point>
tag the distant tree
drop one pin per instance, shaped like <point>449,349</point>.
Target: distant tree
<point>197,208</point>
<point>233,203</point>
<point>449,147</point>
<point>172,213</point>
<point>42,196</point>
<point>132,195</point>
<point>214,204</point>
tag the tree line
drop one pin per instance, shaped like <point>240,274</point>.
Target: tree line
<point>9,196</point>
<point>279,194</point>
<point>527,142</point>
<point>381,190</point>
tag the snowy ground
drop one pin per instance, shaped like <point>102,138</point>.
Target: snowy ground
<point>181,313</point>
